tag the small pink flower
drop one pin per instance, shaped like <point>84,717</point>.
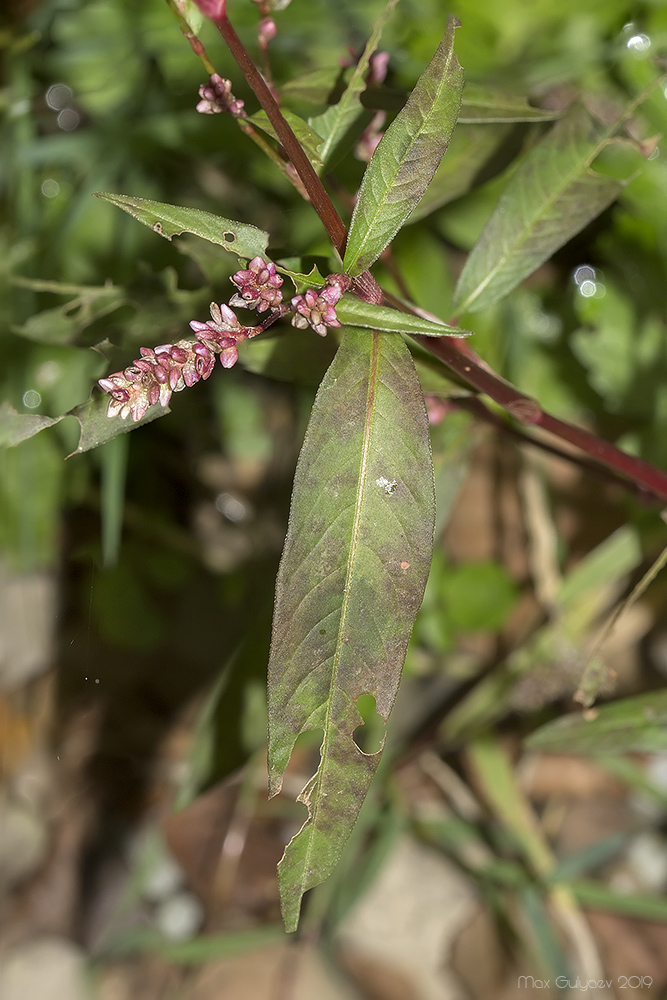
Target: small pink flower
<point>215,9</point>
<point>153,377</point>
<point>267,31</point>
<point>316,307</point>
<point>258,286</point>
<point>216,96</point>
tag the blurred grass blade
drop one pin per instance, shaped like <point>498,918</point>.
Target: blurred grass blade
<point>633,725</point>
<point>407,157</point>
<point>551,196</point>
<point>172,220</point>
<point>113,464</point>
<point>352,311</point>
<point>592,679</point>
<point>350,583</point>
<point>335,124</point>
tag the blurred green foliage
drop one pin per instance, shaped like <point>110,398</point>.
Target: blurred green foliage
<point>99,96</point>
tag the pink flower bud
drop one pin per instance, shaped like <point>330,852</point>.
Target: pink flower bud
<point>215,9</point>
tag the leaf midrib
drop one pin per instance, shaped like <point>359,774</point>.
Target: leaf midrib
<point>371,395</point>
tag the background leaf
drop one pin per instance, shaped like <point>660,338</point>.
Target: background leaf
<point>407,157</point>
<point>336,122</point>
<point>637,725</point>
<point>481,104</point>
<point>172,220</point>
<point>550,197</point>
<point>350,583</point>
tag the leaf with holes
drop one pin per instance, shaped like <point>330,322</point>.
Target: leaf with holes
<point>96,427</point>
<point>407,157</point>
<point>351,580</point>
<point>172,220</point>
<point>551,196</point>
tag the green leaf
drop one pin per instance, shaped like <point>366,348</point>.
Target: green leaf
<point>172,220</point>
<point>350,583</point>
<point>470,149</point>
<point>551,196</point>
<point>96,427</point>
<point>309,138</point>
<point>337,121</point>
<point>407,157</point>
<point>637,725</point>
<point>481,105</point>
<point>352,311</point>
<point>16,427</point>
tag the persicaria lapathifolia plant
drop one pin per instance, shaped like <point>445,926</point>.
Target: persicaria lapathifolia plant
<point>360,538</point>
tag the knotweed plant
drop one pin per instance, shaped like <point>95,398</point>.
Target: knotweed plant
<point>360,538</point>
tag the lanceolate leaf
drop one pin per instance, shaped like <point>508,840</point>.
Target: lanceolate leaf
<point>633,725</point>
<point>307,135</point>
<point>172,220</point>
<point>482,105</point>
<point>350,583</point>
<point>407,157</point>
<point>337,120</point>
<point>352,311</point>
<point>551,196</point>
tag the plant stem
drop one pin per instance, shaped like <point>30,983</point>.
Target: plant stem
<point>454,353</point>
<point>321,201</point>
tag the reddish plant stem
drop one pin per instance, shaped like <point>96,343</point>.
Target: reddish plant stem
<point>317,193</point>
<point>455,353</point>
<point>460,358</point>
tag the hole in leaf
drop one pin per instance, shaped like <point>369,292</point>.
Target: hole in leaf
<point>370,735</point>
<point>229,237</point>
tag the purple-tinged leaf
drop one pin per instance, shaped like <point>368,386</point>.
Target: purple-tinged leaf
<point>351,580</point>
<point>407,157</point>
<point>172,220</point>
<point>550,197</point>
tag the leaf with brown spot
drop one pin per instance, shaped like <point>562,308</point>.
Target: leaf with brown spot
<point>350,584</point>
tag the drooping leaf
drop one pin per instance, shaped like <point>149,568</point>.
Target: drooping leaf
<point>481,104</point>
<point>350,583</point>
<point>337,121</point>
<point>16,427</point>
<point>407,157</point>
<point>633,725</point>
<point>550,197</point>
<point>352,311</point>
<point>172,220</point>
<point>305,132</point>
<point>64,324</point>
<point>96,427</point>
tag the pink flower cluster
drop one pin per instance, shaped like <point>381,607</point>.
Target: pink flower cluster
<point>155,375</point>
<point>216,96</point>
<point>162,370</point>
<point>259,286</point>
<point>169,368</point>
<point>316,307</point>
